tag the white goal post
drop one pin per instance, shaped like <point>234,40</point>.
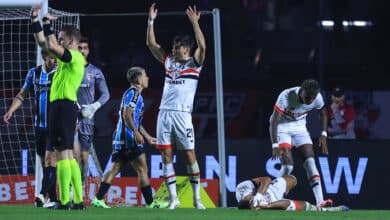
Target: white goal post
<point>19,3</point>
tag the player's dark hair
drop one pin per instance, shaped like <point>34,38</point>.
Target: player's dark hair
<point>311,87</point>
<point>244,204</point>
<point>84,40</point>
<point>72,32</point>
<point>133,73</point>
<point>184,40</point>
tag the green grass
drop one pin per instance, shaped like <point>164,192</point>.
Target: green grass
<point>28,212</point>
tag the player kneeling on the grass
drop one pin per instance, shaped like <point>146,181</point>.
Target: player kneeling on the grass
<point>264,193</point>
<point>129,139</point>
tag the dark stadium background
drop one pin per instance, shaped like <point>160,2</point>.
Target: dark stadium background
<point>355,59</point>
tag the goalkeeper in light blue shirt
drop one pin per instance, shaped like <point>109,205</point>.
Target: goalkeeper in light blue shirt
<point>93,80</point>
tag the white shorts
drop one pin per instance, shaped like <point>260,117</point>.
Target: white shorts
<point>276,190</point>
<point>293,134</point>
<point>175,128</point>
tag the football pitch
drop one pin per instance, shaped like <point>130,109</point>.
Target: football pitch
<point>27,212</point>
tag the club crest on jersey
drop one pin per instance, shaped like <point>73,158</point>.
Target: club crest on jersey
<point>175,75</point>
<point>89,76</point>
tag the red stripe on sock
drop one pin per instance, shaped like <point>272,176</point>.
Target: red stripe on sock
<point>194,174</point>
<point>167,177</point>
<point>314,176</point>
<point>297,206</point>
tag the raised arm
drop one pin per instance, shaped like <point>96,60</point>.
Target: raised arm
<point>37,28</point>
<point>157,51</point>
<point>200,52</point>
<point>51,41</point>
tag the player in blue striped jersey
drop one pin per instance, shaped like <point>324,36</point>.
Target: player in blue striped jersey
<point>93,80</point>
<point>38,81</point>
<point>129,138</point>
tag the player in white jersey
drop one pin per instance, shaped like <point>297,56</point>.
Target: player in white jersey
<point>174,123</point>
<point>288,129</point>
<point>263,193</point>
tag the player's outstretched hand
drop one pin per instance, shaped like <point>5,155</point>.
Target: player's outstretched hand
<point>153,12</point>
<point>139,139</point>
<point>152,141</point>
<point>275,153</point>
<point>193,14</point>
<point>48,17</point>
<point>35,10</point>
<point>7,116</point>
<point>322,142</point>
<point>88,111</point>
<point>258,199</point>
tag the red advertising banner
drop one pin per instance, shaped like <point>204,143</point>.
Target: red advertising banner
<point>124,191</point>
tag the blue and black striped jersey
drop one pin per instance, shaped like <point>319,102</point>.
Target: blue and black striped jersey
<point>39,81</point>
<point>123,135</point>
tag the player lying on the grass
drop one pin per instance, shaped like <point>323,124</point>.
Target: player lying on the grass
<point>265,193</point>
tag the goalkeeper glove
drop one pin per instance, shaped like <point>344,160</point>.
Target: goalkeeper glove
<point>88,111</point>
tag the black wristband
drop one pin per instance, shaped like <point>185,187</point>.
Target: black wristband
<point>47,29</point>
<point>33,17</point>
<point>36,27</point>
<point>44,19</point>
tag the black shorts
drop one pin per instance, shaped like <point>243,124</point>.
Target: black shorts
<point>62,124</point>
<point>42,141</point>
<point>85,141</point>
<point>127,155</point>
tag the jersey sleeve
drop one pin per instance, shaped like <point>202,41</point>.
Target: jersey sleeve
<point>76,57</point>
<point>282,102</point>
<point>319,102</point>
<point>29,79</point>
<point>131,99</point>
<point>101,85</point>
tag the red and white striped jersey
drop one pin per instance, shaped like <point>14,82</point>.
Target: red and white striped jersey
<point>181,82</point>
<point>292,110</point>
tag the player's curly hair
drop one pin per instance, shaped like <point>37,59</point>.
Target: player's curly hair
<point>133,73</point>
<point>311,87</point>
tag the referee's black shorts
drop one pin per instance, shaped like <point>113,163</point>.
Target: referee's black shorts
<point>62,124</point>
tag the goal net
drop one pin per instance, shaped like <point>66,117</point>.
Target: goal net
<point>17,143</point>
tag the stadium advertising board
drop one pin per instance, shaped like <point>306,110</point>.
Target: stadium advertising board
<point>350,174</point>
